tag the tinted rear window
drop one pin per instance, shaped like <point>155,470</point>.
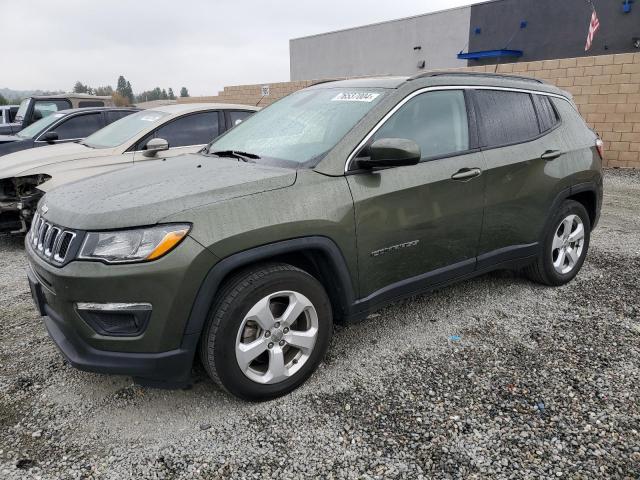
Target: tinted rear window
<point>547,116</point>
<point>506,117</point>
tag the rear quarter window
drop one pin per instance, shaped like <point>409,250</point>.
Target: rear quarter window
<point>547,116</point>
<point>506,117</point>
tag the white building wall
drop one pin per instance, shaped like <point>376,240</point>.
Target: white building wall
<point>384,48</point>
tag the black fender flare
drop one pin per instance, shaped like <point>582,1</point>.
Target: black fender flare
<point>567,193</point>
<point>202,304</point>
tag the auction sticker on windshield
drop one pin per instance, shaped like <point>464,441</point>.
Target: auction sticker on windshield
<point>355,97</point>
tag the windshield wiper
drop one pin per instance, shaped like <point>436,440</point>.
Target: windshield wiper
<point>244,156</point>
<point>81,142</point>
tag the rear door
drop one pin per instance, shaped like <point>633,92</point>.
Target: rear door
<point>186,134</point>
<point>517,130</point>
<point>421,222</point>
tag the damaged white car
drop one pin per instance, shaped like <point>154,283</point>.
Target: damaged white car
<point>163,132</point>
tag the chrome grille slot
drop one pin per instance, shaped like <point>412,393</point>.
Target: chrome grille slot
<point>43,234</point>
<point>34,225</point>
<point>50,241</point>
<point>38,231</point>
<point>63,248</point>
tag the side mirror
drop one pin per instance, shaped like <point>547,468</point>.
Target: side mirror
<point>154,146</point>
<point>49,137</point>
<point>391,152</point>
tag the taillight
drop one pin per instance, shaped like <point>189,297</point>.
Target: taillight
<point>600,147</point>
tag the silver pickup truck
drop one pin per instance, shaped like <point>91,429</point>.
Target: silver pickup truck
<point>34,108</point>
<point>7,114</point>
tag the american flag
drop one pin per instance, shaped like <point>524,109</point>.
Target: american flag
<point>593,28</point>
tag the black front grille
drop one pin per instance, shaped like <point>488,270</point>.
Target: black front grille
<point>50,241</point>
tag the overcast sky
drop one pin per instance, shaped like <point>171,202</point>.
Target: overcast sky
<point>201,44</point>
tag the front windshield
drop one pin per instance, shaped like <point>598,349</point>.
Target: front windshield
<point>302,127</point>
<point>124,129</point>
<point>22,110</point>
<point>36,127</point>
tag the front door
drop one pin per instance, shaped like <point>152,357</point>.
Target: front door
<point>422,221</point>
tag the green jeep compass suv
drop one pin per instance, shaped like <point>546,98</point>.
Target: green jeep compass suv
<point>323,207</point>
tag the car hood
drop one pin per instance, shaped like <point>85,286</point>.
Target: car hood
<point>29,161</point>
<point>9,139</point>
<point>147,193</point>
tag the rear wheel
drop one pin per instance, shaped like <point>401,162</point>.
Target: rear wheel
<point>565,246</point>
<point>269,329</point>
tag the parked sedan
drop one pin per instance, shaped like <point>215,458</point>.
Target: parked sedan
<point>160,133</point>
<point>62,127</point>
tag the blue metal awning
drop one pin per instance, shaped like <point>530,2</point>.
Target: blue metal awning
<point>489,54</point>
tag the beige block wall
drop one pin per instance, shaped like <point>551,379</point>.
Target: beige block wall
<point>606,90</point>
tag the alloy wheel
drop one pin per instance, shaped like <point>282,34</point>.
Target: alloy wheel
<point>568,244</point>
<point>276,337</point>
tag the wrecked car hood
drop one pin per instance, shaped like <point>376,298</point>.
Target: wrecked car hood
<point>146,193</point>
<point>32,161</point>
<point>9,138</point>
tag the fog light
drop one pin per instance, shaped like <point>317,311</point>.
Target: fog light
<point>116,319</point>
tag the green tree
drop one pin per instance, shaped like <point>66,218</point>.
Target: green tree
<point>121,88</point>
<point>104,91</point>
<point>171,94</point>
<point>79,87</point>
<point>184,92</point>
<point>129,93</point>
<point>3,101</point>
<point>164,95</point>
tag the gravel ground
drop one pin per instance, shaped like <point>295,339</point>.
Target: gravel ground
<point>492,378</point>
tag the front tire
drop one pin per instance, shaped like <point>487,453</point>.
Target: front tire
<point>270,327</point>
<point>565,246</point>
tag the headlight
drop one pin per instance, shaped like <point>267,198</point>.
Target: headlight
<point>135,245</point>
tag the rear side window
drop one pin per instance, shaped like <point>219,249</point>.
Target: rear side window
<point>90,103</point>
<point>79,126</point>
<point>194,129</point>
<point>116,115</point>
<point>506,117</point>
<point>547,116</point>
<point>436,121</point>
<point>238,116</point>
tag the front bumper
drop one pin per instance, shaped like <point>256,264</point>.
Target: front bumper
<point>162,354</point>
<point>11,218</point>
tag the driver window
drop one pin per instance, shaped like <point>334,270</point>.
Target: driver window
<point>437,121</point>
<point>193,129</point>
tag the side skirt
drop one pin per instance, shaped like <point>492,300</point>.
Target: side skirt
<point>505,258</point>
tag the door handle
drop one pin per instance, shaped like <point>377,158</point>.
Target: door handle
<point>551,155</point>
<point>466,174</point>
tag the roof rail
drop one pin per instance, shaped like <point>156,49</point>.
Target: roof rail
<point>325,80</point>
<point>473,74</point>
